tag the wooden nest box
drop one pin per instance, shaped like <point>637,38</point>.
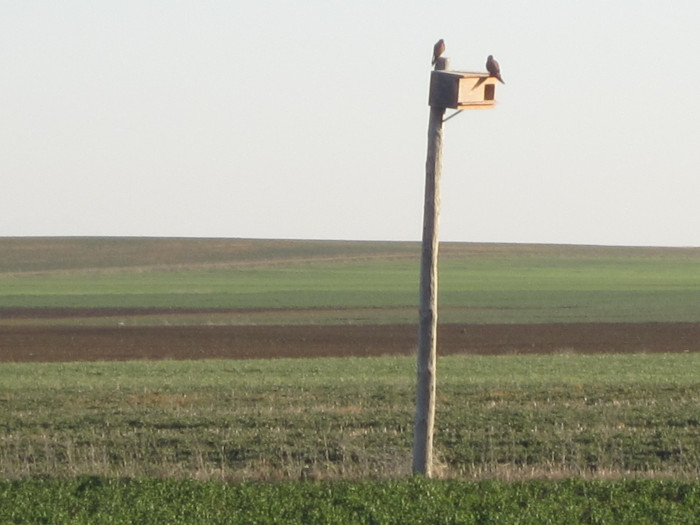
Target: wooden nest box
<point>462,90</point>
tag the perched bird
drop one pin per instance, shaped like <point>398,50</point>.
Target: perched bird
<point>438,49</point>
<point>493,68</point>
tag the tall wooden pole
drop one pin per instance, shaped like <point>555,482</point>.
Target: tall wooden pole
<point>427,336</point>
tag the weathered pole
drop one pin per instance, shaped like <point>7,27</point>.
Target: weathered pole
<point>427,331</point>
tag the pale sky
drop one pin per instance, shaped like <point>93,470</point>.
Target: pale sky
<point>308,119</point>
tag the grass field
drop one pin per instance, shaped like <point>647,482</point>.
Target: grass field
<point>520,439</point>
<point>514,417</point>
<point>283,282</point>
<point>90,501</point>
<point>560,438</point>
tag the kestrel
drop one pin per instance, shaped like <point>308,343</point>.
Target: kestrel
<point>438,49</point>
<point>493,68</point>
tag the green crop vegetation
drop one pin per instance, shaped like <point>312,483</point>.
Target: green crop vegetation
<point>296,282</point>
<point>519,439</point>
<point>513,417</point>
<point>91,500</point>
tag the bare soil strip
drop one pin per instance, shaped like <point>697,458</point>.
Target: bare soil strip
<point>56,343</point>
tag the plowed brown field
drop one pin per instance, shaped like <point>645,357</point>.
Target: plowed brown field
<point>57,343</point>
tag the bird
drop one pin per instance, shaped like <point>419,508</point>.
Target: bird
<point>438,49</point>
<point>493,68</point>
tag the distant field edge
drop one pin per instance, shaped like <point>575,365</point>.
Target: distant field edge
<point>122,343</point>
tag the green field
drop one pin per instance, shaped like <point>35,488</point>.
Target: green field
<point>283,282</point>
<point>227,441</point>
<point>514,417</point>
<point>519,439</point>
<point>90,501</point>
